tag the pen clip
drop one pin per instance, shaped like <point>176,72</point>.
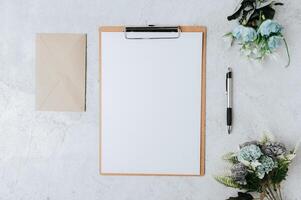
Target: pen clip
<point>226,86</point>
<point>228,75</point>
<point>226,83</point>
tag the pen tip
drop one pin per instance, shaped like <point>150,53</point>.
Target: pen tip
<point>229,130</point>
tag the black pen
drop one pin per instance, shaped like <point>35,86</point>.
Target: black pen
<point>229,93</point>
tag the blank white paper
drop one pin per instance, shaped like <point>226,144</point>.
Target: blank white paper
<point>151,104</point>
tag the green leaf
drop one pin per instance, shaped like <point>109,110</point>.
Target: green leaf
<point>228,34</point>
<point>227,181</point>
<point>230,157</point>
<point>253,183</point>
<point>292,154</point>
<point>289,157</point>
<point>296,147</point>
<point>279,174</point>
<point>266,137</point>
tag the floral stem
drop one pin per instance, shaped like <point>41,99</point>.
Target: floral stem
<point>279,189</point>
<point>262,195</point>
<point>288,53</point>
<point>271,192</point>
<point>268,195</point>
<point>276,192</point>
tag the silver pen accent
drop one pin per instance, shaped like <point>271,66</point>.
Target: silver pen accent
<point>229,92</point>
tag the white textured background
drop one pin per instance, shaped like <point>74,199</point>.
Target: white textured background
<point>54,156</point>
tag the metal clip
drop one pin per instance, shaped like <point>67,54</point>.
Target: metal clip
<point>153,29</point>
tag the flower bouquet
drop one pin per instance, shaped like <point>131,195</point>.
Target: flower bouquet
<point>260,167</point>
<point>257,33</point>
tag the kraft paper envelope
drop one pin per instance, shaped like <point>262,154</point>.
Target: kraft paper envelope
<point>60,72</point>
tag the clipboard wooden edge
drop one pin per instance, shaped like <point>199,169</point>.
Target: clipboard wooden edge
<point>202,29</point>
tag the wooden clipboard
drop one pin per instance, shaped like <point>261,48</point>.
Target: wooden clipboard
<point>201,29</point>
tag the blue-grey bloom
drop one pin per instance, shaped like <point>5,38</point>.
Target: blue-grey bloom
<point>249,143</point>
<point>237,32</point>
<point>267,165</point>
<point>274,42</point>
<point>239,172</point>
<point>268,27</point>
<point>274,149</point>
<point>249,153</point>
<point>249,35</point>
<point>244,34</point>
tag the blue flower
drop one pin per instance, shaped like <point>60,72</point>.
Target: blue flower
<point>274,42</point>
<point>268,27</point>
<point>244,34</point>
<point>267,165</point>
<point>237,32</point>
<point>249,153</point>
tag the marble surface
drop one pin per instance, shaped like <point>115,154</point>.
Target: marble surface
<point>54,156</point>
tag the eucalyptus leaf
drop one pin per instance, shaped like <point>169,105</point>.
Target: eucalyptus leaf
<point>227,181</point>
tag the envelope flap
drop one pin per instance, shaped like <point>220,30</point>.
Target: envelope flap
<point>63,54</point>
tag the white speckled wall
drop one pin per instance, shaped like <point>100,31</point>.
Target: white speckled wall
<point>54,156</point>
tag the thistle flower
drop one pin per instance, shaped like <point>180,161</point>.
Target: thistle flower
<point>249,153</point>
<point>239,172</point>
<point>274,149</point>
<point>268,27</point>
